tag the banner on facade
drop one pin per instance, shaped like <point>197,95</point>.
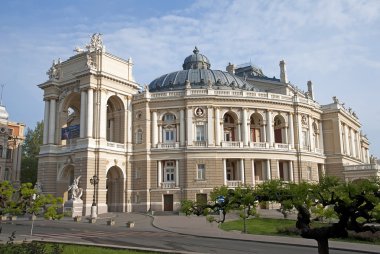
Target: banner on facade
<point>70,132</point>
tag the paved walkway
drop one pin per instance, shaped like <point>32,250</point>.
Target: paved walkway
<point>198,226</point>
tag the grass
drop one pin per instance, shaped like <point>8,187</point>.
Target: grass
<point>259,226</point>
<point>79,249</point>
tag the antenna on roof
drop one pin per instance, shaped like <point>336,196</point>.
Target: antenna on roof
<point>1,96</point>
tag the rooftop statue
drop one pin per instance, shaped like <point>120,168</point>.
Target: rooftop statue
<point>96,42</point>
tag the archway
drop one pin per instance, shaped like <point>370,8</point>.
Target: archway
<point>115,120</point>
<point>256,121</point>
<point>69,118</point>
<point>115,190</point>
<point>279,129</point>
<point>230,127</point>
<point>65,179</point>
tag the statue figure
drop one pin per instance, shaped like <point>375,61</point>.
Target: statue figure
<point>146,88</point>
<point>90,61</point>
<point>38,188</point>
<point>53,72</point>
<point>76,192</point>
<point>96,42</point>
<point>335,99</point>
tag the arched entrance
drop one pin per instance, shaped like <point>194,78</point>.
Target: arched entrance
<point>115,190</point>
<point>65,179</point>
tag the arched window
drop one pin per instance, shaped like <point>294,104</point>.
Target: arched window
<point>229,128</point>
<point>279,129</point>
<point>255,128</point>
<point>115,119</point>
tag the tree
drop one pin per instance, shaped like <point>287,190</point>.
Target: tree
<point>355,204</point>
<point>30,151</point>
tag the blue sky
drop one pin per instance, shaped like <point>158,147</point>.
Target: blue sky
<point>334,43</point>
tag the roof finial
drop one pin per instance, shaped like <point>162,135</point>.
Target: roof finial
<point>195,51</point>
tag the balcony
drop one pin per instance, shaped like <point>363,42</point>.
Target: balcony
<point>259,145</point>
<point>168,185</point>
<point>234,183</point>
<point>232,144</point>
<point>280,146</point>
<point>369,167</point>
<point>168,145</point>
<point>200,143</point>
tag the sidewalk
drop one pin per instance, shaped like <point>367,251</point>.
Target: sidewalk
<point>199,226</point>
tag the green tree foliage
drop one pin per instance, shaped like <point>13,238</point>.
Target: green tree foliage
<point>30,151</point>
<point>355,205</point>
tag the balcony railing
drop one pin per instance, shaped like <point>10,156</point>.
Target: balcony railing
<point>234,183</point>
<point>200,143</point>
<point>168,145</point>
<point>362,167</point>
<point>232,144</point>
<point>259,145</point>
<point>168,185</point>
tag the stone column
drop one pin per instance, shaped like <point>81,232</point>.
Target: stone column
<point>176,173</point>
<point>52,115</point>
<point>154,129</point>
<point>291,171</point>
<point>182,127</point>
<point>348,147</point>
<point>217,127</point>
<point>291,130</point>
<point>238,132</point>
<point>225,172</point>
<point>46,122</point>
<point>129,120</point>
<point>244,128</point>
<point>320,136</point>
<point>278,169</point>
<point>242,175</point>
<point>353,145</point>
<point>189,126</point>
<point>159,173</point>
<point>311,145</point>
<point>103,115</point>
<point>210,127</point>
<point>264,133</point>
<point>268,174</point>
<point>300,138</point>
<point>90,112</point>
<point>253,172</point>
<point>82,113</point>
<point>269,128</point>
<point>159,133</point>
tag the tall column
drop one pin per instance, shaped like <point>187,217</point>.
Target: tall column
<point>346,140</point>
<point>103,115</point>
<point>182,127</point>
<point>278,169</point>
<point>210,127</point>
<point>264,133</point>
<point>244,128</point>
<point>291,130</point>
<point>159,133</point>
<point>225,172</point>
<point>353,145</point>
<point>253,172</point>
<point>52,121</point>
<point>299,127</point>
<point>82,113</point>
<point>242,175</point>
<point>342,141</point>
<point>311,145</point>
<point>154,129</point>
<point>176,173</point>
<point>269,128</point>
<point>46,122</point>
<point>268,174</point>
<point>291,171</point>
<point>129,120</point>
<point>190,126</point>
<point>90,112</point>
<point>217,127</point>
<point>320,136</point>
<point>238,132</point>
<point>159,173</point>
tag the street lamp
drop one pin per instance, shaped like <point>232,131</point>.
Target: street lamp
<point>94,181</point>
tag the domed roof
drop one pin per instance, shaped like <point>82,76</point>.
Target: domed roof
<point>196,71</point>
<point>196,61</point>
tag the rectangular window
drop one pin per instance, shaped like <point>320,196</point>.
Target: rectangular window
<point>304,139</point>
<point>139,137</point>
<point>169,135</point>
<point>200,129</point>
<point>9,154</point>
<point>201,172</point>
<point>169,174</point>
<point>137,174</point>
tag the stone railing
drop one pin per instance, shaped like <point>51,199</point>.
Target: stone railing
<point>362,167</point>
<point>235,183</point>
<point>232,144</point>
<point>259,145</point>
<point>168,185</point>
<point>200,143</point>
<point>280,146</point>
<point>168,145</point>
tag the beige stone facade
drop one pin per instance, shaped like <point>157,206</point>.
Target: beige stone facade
<point>186,133</point>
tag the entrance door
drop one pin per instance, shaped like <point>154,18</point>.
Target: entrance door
<point>168,203</point>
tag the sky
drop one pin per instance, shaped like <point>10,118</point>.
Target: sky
<point>333,43</point>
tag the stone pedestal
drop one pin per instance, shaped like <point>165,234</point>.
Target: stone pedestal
<point>76,207</point>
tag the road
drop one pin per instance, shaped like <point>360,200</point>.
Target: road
<point>145,237</point>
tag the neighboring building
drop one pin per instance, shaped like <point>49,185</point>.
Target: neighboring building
<point>186,133</point>
<point>11,139</point>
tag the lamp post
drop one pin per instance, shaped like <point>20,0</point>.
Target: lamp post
<point>94,181</point>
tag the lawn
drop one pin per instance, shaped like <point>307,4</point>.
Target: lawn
<point>259,226</point>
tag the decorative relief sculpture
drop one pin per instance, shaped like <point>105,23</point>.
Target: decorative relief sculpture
<point>76,192</point>
<point>90,61</point>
